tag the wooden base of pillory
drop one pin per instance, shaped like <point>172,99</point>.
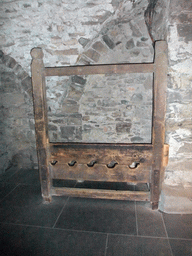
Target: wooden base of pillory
<point>130,163</point>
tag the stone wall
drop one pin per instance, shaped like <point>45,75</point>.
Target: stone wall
<point>17,136</point>
<point>115,108</point>
<point>101,108</point>
<point>179,101</point>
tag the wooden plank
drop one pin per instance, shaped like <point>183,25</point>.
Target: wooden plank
<point>101,153</point>
<point>100,69</point>
<point>41,127</point>
<point>99,172</point>
<point>102,194</point>
<point>158,137</point>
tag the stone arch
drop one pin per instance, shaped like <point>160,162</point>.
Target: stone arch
<point>16,120</point>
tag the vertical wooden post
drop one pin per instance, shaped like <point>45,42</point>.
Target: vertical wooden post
<point>159,108</point>
<point>41,121</point>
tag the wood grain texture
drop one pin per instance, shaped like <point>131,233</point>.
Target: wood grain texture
<point>100,172</point>
<point>158,136</point>
<point>102,194</point>
<point>100,69</point>
<point>102,153</point>
<point>41,121</point>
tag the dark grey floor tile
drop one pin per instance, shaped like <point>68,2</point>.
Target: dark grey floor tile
<point>99,215</point>
<point>26,176</point>
<point>5,189</point>
<point>22,240</point>
<point>137,246</point>
<point>150,223</point>
<point>11,171</point>
<point>178,225</point>
<point>40,215</point>
<point>181,247</point>
<point>23,196</point>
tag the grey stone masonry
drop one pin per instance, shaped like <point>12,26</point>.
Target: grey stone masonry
<point>110,108</point>
<point>17,135</point>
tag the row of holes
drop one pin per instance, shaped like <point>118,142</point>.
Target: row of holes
<point>112,164</point>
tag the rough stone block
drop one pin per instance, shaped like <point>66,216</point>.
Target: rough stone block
<point>137,97</point>
<point>75,119</point>
<point>18,69</point>
<point>130,44</point>
<point>87,127</point>
<point>135,53</point>
<point>141,44</point>
<point>12,63</point>
<point>52,127</point>
<point>83,41</point>
<point>11,99</point>
<point>78,80</point>
<point>27,83</point>
<point>85,118</point>
<point>185,18</point>
<point>8,82</point>
<point>92,54</point>
<point>135,30</point>
<point>185,31</point>
<point>136,139</point>
<point>6,59</point>
<point>106,103</point>
<point>123,127</point>
<point>22,75</point>
<point>74,94</point>
<point>78,135</point>
<point>68,132</point>
<point>72,51</point>
<point>98,46</point>
<point>70,108</point>
<point>108,41</point>
<point>174,96</point>
<point>83,60</point>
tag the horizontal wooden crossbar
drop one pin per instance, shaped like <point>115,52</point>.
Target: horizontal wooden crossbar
<point>102,194</point>
<point>100,172</point>
<point>84,153</point>
<point>100,69</point>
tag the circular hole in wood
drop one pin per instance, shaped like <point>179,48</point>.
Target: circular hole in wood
<point>92,163</point>
<point>134,165</point>
<point>72,163</point>
<point>112,164</point>
<point>54,162</point>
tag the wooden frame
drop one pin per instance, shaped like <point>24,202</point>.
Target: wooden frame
<point>97,161</point>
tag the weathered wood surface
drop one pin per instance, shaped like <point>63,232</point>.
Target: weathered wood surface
<point>41,124</point>
<point>100,172</point>
<point>158,136</point>
<point>101,153</point>
<point>100,69</point>
<point>102,194</point>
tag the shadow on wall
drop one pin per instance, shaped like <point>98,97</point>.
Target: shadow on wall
<point>17,137</point>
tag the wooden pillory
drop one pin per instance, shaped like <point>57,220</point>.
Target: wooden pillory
<point>98,161</point>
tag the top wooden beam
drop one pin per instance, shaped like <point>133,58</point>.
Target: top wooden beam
<point>100,69</point>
